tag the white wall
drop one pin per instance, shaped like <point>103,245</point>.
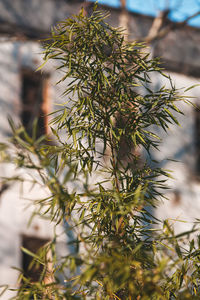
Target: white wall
<point>179,145</point>
<point>15,202</point>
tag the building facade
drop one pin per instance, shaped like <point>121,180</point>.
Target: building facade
<point>26,94</point>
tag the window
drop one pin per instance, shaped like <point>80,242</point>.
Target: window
<point>35,100</point>
<point>33,244</point>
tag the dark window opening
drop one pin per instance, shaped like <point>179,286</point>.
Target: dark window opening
<point>33,244</point>
<point>35,102</point>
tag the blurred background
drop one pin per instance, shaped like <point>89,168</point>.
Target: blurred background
<point>171,30</point>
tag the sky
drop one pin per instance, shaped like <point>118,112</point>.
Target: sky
<point>180,9</point>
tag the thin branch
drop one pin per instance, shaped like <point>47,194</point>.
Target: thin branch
<point>157,24</point>
<point>114,161</point>
<point>157,32</point>
<point>191,17</point>
<point>123,4</point>
<point>124,19</point>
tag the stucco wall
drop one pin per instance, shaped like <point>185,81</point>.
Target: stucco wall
<point>178,154</point>
<point>15,202</point>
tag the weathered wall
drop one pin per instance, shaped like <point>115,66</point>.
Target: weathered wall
<point>36,14</point>
<point>15,202</point>
<point>178,154</point>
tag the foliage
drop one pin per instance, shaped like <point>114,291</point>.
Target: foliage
<point>99,173</point>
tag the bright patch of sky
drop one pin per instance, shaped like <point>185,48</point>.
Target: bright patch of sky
<point>180,9</point>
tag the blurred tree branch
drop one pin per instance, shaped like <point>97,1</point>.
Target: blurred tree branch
<point>162,26</point>
<point>124,18</point>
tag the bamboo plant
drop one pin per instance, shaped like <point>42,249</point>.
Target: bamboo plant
<point>99,173</point>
